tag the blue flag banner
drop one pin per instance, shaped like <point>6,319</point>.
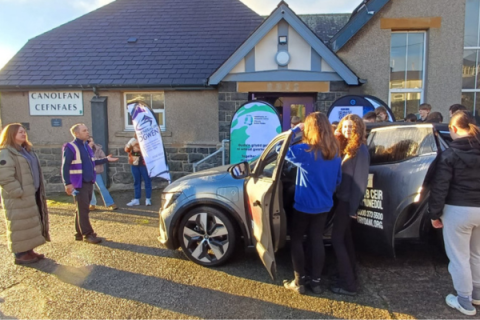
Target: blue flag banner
<point>150,140</point>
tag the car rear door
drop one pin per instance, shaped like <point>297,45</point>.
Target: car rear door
<point>400,159</point>
<point>264,201</point>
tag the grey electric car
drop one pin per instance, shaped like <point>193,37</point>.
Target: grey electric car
<point>208,213</point>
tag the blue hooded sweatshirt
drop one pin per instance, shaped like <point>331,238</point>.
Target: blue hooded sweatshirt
<point>316,181</point>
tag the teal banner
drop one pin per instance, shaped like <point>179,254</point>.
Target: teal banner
<point>253,126</point>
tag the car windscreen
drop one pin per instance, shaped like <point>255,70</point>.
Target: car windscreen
<point>394,144</point>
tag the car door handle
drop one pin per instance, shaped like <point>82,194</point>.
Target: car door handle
<point>256,203</point>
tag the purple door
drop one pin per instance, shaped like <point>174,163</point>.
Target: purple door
<point>295,106</point>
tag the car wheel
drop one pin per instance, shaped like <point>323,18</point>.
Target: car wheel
<point>207,236</point>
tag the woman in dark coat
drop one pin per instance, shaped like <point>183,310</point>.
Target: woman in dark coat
<point>355,166</point>
<point>454,205</point>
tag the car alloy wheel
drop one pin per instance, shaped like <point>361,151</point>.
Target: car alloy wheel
<point>207,236</point>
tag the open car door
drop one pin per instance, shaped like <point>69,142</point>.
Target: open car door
<point>264,201</point>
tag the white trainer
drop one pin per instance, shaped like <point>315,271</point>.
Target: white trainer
<point>452,302</point>
<point>148,202</point>
<point>134,202</point>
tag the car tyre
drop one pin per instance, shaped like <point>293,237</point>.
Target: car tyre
<point>207,236</point>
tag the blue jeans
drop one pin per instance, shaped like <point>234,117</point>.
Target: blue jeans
<point>107,198</point>
<point>139,173</point>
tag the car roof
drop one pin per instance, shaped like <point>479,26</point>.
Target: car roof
<point>437,126</point>
<point>440,127</point>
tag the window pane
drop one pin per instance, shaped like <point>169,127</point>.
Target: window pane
<point>297,110</point>
<point>397,104</point>
<point>404,103</point>
<point>413,102</point>
<point>469,69</point>
<point>477,106</point>
<point>159,116</point>
<point>398,53</point>
<point>147,97</point>
<point>270,162</point>
<point>468,100</point>
<point>399,144</point>
<point>158,101</point>
<point>471,23</point>
<point>415,56</point>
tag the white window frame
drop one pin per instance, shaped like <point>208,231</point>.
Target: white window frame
<point>477,48</point>
<point>129,127</point>
<point>411,90</point>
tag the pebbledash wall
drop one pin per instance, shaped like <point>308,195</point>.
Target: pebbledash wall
<point>191,136</point>
<point>368,52</point>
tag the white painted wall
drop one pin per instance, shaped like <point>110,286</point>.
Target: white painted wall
<point>300,52</point>
<point>240,67</point>
<point>266,50</point>
<point>326,67</point>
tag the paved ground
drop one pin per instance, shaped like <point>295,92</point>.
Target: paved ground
<point>130,275</point>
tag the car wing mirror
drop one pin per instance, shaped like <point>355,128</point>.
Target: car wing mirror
<point>240,170</point>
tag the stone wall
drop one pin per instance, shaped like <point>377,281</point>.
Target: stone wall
<point>180,161</point>
<point>229,100</point>
<point>326,99</point>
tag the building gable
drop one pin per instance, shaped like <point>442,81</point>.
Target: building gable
<point>362,14</point>
<point>309,59</point>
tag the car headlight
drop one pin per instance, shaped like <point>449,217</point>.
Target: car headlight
<point>168,198</point>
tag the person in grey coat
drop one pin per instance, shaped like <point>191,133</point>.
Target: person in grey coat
<point>23,195</point>
<point>351,134</point>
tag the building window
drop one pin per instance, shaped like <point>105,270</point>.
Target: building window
<point>407,72</point>
<point>471,55</point>
<point>156,101</point>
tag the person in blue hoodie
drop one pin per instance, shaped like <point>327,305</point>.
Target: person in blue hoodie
<point>319,173</point>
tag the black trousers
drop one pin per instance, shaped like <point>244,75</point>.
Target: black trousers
<point>313,225</point>
<point>342,242</point>
<point>82,219</point>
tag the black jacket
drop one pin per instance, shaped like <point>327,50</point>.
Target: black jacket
<point>354,179</point>
<point>457,177</point>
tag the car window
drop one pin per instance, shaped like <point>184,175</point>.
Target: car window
<point>268,165</point>
<point>396,144</point>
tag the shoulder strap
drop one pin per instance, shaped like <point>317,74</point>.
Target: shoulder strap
<point>72,146</point>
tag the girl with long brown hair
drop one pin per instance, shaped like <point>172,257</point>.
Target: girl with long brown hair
<point>355,166</point>
<point>23,195</point>
<point>319,173</point>
<point>454,205</point>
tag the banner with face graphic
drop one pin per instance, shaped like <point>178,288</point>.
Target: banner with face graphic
<point>150,140</point>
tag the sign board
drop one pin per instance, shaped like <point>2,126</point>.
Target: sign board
<point>56,103</point>
<point>56,122</point>
<point>341,111</point>
<point>150,140</point>
<point>253,126</point>
<point>356,104</point>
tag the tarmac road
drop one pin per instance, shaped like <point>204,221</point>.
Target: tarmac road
<point>130,275</point>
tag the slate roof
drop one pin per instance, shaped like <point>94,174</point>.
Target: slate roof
<point>179,43</point>
<point>325,26</point>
